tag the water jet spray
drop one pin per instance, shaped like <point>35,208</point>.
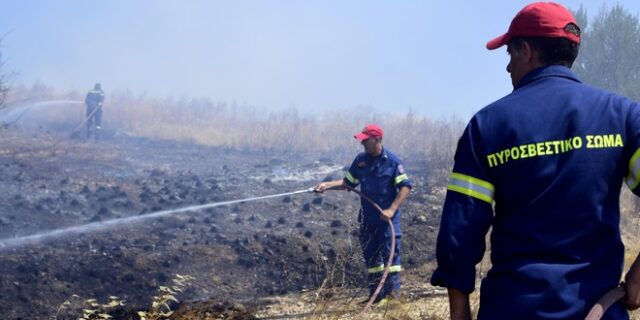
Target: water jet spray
<point>96,226</point>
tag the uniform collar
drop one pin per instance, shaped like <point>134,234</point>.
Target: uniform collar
<point>547,71</point>
<point>383,155</point>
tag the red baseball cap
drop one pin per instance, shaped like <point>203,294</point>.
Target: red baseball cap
<point>540,19</point>
<point>369,131</point>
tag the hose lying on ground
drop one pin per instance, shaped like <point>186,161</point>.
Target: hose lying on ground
<point>391,253</point>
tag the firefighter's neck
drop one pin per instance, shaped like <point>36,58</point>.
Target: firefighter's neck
<point>376,151</point>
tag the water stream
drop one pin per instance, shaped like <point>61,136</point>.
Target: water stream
<point>101,225</point>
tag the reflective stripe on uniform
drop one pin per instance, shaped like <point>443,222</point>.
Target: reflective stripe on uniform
<point>401,178</point>
<point>351,178</point>
<point>395,269</point>
<point>471,186</point>
<point>633,178</point>
<point>376,269</point>
<point>380,268</point>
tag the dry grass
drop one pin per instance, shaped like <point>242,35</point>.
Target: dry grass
<point>219,123</point>
<point>340,305</point>
<point>92,309</point>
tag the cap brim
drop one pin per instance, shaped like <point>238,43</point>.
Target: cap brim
<point>498,42</point>
<point>361,136</point>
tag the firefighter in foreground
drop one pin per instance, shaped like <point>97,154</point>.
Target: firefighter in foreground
<point>550,157</point>
<point>93,114</point>
<point>382,178</point>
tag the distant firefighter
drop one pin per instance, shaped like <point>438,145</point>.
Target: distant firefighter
<point>94,101</point>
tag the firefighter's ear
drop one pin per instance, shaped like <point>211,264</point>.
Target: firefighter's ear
<point>528,52</point>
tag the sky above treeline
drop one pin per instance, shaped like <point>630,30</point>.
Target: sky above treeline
<point>395,56</point>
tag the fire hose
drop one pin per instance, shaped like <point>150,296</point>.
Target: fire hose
<point>391,253</point>
<point>607,300</point>
<point>81,124</point>
<point>87,118</point>
<point>57,142</point>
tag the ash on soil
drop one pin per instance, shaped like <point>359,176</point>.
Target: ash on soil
<point>236,253</point>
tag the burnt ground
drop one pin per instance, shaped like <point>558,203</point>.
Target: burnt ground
<point>237,253</point>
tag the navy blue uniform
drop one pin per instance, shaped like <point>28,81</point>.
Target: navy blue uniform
<point>552,156</point>
<point>94,100</point>
<point>379,178</point>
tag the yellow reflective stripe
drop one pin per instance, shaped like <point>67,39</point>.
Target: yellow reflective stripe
<point>401,178</point>
<point>395,269</point>
<point>471,186</point>
<point>472,180</point>
<point>351,178</point>
<point>470,193</point>
<point>633,179</point>
<point>380,268</point>
<point>377,269</point>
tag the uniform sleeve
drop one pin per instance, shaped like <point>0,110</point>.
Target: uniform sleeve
<point>351,179</point>
<point>466,216</point>
<point>401,179</point>
<point>632,147</point>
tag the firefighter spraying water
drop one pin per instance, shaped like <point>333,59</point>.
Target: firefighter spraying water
<point>382,178</point>
<point>93,118</point>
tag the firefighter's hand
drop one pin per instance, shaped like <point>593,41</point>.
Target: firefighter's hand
<point>320,187</point>
<point>387,214</point>
<point>632,287</point>
<point>459,306</point>
<point>631,299</point>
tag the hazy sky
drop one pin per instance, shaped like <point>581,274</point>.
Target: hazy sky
<point>392,55</point>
